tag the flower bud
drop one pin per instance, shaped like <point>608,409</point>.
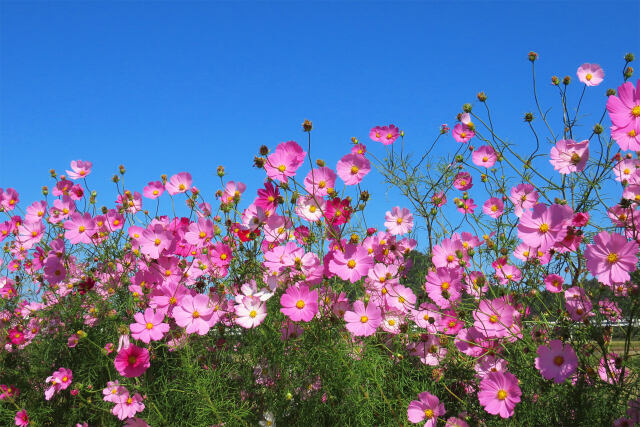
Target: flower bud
<point>629,57</point>
<point>598,129</point>
<point>555,80</point>
<point>466,108</point>
<point>115,178</point>
<point>364,196</point>
<point>459,158</point>
<point>533,56</point>
<point>122,169</point>
<point>220,171</point>
<point>528,117</point>
<point>628,72</point>
<point>320,163</point>
<point>163,178</point>
<point>258,162</point>
<point>611,92</point>
<point>264,150</point>
<point>307,126</point>
<point>566,80</point>
<point>482,97</point>
<point>45,190</point>
<point>53,173</point>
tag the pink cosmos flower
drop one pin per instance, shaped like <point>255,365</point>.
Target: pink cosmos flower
<point>299,303</point>
<point>127,406</point>
<point>179,183</point>
<point>461,133</point>
<point>456,422</point>
<point>463,181</point>
<point>556,362</point>
<point>113,391</point>
<point>428,408</point>
<point>466,206</point>
<point>352,264</point>
<point>9,199</point>
<point>569,156</point>
<point>60,380</point>
<point>484,156</point>
<point>544,226</point>
<point>149,326</point>
<point>153,190</point>
<point>21,419</point>
<point>553,283</point>
<point>310,208</point>
<point>320,182</point>
<point>250,312</point>
<point>352,168</point>
<point>493,207</point>
<point>79,169</point>
<point>444,286</point>
<point>627,137</point>
<point>523,197</point>
<point>194,314</point>
<point>385,134</point>
<point>611,258</point>
<point>578,303</point>
<point>399,221</point>
<point>610,369</point>
<point>624,109</point>
<point>449,253</point>
<point>284,161</point>
<point>590,74</point>
<point>499,393</point>
<point>363,320</point>
<point>232,192</point>
<point>439,199</point>
<point>80,228</point>
<point>493,318</point>
<point>132,361</point>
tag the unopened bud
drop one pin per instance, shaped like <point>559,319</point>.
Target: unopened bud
<point>566,80</point>
<point>53,173</point>
<point>307,126</point>
<point>611,92</point>
<point>264,150</point>
<point>533,56</point>
<point>320,163</point>
<point>528,117</point>
<point>598,129</point>
<point>220,171</point>
<point>466,108</point>
<point>259,162</point>
<point>45,190</point>
<point>482,97</point>
<point>122,169</point>
<point>115,178</point>
<point>628,72</point>
<point>555,80</point>
<point>364,196</point>
<point>629,57</point>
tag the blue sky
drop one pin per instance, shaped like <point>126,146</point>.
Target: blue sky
<point>180,86</point>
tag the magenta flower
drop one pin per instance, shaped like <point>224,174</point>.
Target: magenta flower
<point>463,181</point>
<point>153,190</point>
<point>59,380</point>
<point>194,314</point>
<point>494,207</point>
<point>398,221</point>
<point>352,264</point>
<point>428,408</point>
<point>590,74</point>
<point>149,326</point>
<point>444,286</point>
<point>462,133</point>
<point>363,320</point>
<point>553,283</point>
<point>493,318</point>
<point>569,156</point>
<point>299,303</point>
<point>499,393</point>
<point>544,226</point>
<point>484,156</point>
<point>385,134</point>
<point>556,362</point>
<point>21,419</point>
<point>132,361</point>
<point>80,228</point>
<point>611,258</point>
<point>352,168</point>
<point>523,197</point>
<point>79,169</point>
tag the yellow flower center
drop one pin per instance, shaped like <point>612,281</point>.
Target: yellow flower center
<point>485,159</point>
<point>494,208</point>
<point>612,258</point>
<point>463,183</point>
<point>253,314</point>
<point>202,234</point>
<point>364,319</point>
<point>401,300</point>
<point>81,229</point>
<point>351,264</point>
<point>129,401</point>
<point>155,192</point>
<point>391,322</point>
<point>635,111</point>
<point>632,133</point>
<point>544,228</point>
<point>64,379</point>
<point>223,256</point>
<point>167,273</point>
<point>428,413</point>
<point>312,208</point>
<point>450,258</point>
<point>589,76</point>
<point>493,318</point>
<point>322,184</point>
<point>282,168</point>
<point>132,359</point>
<point>181,187</point>
<point>300,304</point>
<point>157,242</point>
<point>502,394</point>
<point>173,300</point>
<point>399,221</point>
<point>445,285</point>
<point>354,170</point>
<point>558,360</point>
<point>149,325</point>
<point>196,314</point>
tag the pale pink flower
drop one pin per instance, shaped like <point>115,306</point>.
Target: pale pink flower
<point>79,169</point>
<point>494,207</point>
<point>556,362</point>
<point>399,221</point>
<point>363,320</point>
<point>80,228</point>
<point>499,393</point>
<point>569,156</point>
<point>428,408</point>
<point>179,183</point>
<point>385,134</point>
<point>611,258</point>
<point>590,74</point>
<point>153,190</point>
<point>149,326</point>
<point>484,156</point>
<point>194,314</point>
<point>462,133</point>
<point>250,312</point>
<point>352,168</point>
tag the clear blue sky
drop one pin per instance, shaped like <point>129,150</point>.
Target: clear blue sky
<point>180,86</point>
